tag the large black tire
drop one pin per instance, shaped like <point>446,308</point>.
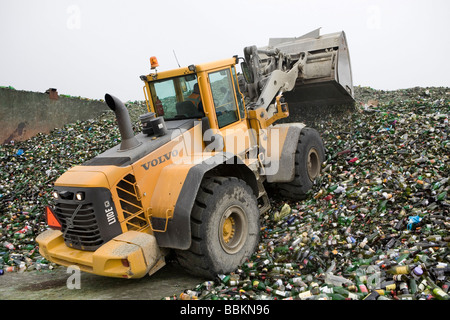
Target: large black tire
<point>309,155</point>
<point>224,227</point>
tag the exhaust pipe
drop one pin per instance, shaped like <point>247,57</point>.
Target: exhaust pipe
<point>129,141</point>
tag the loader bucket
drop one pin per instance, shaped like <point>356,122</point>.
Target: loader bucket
<point>324,82</point>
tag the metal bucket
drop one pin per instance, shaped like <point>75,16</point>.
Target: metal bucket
<point>324,77</point>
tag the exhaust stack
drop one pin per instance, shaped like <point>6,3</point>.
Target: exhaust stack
<point>129,141</point>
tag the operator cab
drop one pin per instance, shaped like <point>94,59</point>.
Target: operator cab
<point>184,94</point>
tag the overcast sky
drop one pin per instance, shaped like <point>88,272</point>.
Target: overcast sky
<point>89,48</point>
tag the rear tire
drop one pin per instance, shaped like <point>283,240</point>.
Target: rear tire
<point>224,227</point>
<point>309,156</point>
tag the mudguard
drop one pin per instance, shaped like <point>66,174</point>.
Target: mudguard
<point>287,137</point>
<point>174,229</point>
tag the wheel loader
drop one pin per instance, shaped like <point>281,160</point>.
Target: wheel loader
<point>193,182</point>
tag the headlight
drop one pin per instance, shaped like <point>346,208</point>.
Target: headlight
<point>79,196</point>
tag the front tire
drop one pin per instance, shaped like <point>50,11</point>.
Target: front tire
<point>309,156</point>
<point>224,227</point>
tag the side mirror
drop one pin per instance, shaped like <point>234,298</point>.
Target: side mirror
<point>246,72</point>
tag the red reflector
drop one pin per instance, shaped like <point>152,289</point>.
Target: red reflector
<point>52,220</point>
<point>125,263</point>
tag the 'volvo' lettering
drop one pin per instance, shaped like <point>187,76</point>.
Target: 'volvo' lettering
<point>160,159</point>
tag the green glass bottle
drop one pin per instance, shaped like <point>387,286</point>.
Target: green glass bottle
<point>224,278</point>
<point>413,285</point>
<point>335,296</point>
<point>399,269</point>
<point>388,285</point>
<point>259,285</point>
<point>373,295</point>
<point>382,206</point>
<point>442,196</point>
<point>437,292</point>
<point>361,286</point>
<point>333,187</point>
<point>356,295</point>
<point>341,290</point>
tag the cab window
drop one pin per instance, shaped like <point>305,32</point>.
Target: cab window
<point>174,98</point>
<point>238,94</point>
<point>224,98</point>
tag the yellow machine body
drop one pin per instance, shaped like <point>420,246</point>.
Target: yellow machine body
<point>121,212</point>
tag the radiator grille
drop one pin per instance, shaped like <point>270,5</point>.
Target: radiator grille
<point>79,225</point>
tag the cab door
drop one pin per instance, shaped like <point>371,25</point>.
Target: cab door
<point>230,111</point>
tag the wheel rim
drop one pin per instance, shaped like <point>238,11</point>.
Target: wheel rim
<point>313,164</point>
<point>233,229</point>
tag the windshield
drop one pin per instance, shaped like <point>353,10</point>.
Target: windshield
<point>177,98</point>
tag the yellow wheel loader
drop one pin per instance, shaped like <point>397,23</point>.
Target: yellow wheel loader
<point>193,181</point>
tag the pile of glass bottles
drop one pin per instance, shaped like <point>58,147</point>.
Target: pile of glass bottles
<point>28,170</point>
<point>374,226</point>
<point>376,223</point>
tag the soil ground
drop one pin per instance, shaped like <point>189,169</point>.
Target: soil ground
<point>55,285</point>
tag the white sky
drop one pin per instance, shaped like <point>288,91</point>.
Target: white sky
<point>90,48</point>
